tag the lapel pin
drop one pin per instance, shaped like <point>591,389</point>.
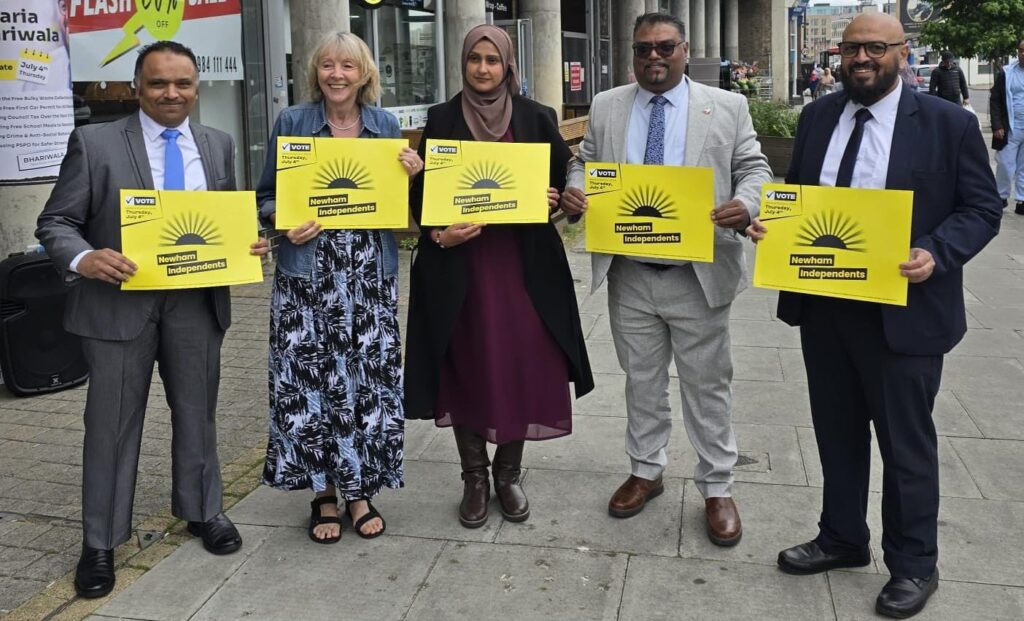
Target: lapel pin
<point>707,109</point>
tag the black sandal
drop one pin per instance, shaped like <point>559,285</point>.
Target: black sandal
<point>371,514</point>
<point>316,519</point>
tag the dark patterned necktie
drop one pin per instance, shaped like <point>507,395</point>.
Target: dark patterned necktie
<point>845,176</point>
<point>655,153</point>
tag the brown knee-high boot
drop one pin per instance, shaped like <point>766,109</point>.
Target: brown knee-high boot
<point>508,459</point>
<point>476,491</point>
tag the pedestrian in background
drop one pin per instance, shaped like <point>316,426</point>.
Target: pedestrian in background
<point>876,365</point>
<point>949,83</point>
<point>663,309</point>
<point>494,333</point>
<point>1006,105</point>
<point>335,386</point>
<point>827,84</point>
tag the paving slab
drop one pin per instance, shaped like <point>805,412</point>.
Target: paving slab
<point>570,510</point>
<point>994,375</point>
<point>978,541</point>
<point>524,583</point>
<point>771,403</point>
<point>997,466</point>
<point>951,417</point>
<point>771,334</point>
<point>670,589</point>
<point>607,399</point>
<point>179,586</point>
<point>290,577</point>
<point>854,597</point>
<point>757,363</point>
<point>997,414</point>
<point>774,517</point>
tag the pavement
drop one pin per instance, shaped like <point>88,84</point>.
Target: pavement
<point>570,560</point>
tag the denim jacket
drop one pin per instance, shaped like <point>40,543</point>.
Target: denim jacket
<point>308,119</point>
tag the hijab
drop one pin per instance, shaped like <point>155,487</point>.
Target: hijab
<point>489,115</point>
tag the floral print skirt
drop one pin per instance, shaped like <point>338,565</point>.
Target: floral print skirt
<point>335,374</point>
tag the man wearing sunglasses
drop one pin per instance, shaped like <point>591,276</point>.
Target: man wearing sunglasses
<point>663,309</point>
<point>874,364</point>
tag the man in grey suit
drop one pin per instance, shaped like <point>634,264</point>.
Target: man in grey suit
<point>125,332</point>
<point>661,309</point>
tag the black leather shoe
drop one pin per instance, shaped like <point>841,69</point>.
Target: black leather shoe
<point>808,558</point>
<point>219,535</point>
<point>905,597</point>
<point>94,576</point>
<point>1019,209</point>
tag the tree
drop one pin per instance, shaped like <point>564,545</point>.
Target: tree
<point>968,28</point>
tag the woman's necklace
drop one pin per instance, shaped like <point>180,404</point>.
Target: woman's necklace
<point>344,129</point>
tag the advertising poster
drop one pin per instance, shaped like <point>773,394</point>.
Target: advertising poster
<point>104,33</point>
<point>650,211</point>
<point>342,183</point>
<point>485,182</point>
<point>187,240</point>
<point>36,109</point>
<point>836,242</point>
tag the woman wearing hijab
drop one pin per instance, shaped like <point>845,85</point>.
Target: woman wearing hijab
<point>494,333</point>
<point>336,422</point>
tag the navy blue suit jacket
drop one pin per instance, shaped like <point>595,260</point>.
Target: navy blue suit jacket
<point>938,152</point>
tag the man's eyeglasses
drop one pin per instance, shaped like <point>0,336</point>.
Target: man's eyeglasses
<point>874,49</point>
<point>664,49</point>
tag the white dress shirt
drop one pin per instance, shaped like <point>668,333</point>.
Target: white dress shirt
<point>195,177</point>
<point>675,124</point>
<point>872,168</point>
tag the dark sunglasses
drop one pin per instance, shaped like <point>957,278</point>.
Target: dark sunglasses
<point>874,49</point>
<point>664,48</point>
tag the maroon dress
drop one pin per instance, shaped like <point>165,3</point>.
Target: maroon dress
<point>503,376</point>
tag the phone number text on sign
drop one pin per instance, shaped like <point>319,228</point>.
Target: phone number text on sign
<point>216,64</point>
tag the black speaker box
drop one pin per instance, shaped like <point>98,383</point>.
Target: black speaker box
<point>36,354</point>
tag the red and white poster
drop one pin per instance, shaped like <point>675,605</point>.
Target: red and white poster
<point>575,76</point>
<point>105,34</point>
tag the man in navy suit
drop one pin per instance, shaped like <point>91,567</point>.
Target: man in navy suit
<point>873,363</point>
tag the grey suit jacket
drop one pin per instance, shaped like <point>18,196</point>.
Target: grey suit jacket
<point>719,135</point>
<point>83,213</point>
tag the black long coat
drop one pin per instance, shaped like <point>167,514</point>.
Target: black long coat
<point>438,281</point>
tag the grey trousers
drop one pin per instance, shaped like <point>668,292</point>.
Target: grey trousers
<point>184,338</point>
<point>655,316</point>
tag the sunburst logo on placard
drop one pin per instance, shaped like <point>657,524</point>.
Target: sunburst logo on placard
<point>486,176</point>
<point>344,175</point>
<point>830,229</point>
<point>647,202</point>
<point>190,229</point>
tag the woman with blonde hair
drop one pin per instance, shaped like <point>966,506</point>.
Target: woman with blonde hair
<point>336,417</point>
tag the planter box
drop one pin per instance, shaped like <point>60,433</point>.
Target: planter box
<point>779,152</point>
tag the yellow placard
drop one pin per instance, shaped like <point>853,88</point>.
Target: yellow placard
<point>342,183</point>
<point>836,242</point>
<point>188,240</point>
<point>650,211</point>
<point>492,182</point>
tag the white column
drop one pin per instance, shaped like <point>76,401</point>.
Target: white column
<point>732,29</point>
<point>681,9</point>
<point>460,16</point>
<point>546,86</point>
<point>713,29</point>
<point>650,6</point>
<point>697,39</point>
<point>310,21</point>
<point>624,14</point>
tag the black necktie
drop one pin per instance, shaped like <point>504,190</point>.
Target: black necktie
<point>849,160</point>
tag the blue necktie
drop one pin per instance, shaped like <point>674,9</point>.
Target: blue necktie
<point>846,165</point>
<point>174,164</point>
<point>655,153</point>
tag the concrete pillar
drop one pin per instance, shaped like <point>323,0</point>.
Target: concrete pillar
<point>546,86</point>
<point>713,29</point>
<point>651,6</point>
<point>460,16</point>
<point>697,39</point>
<point>732,29</point>
<point>311,20</point>
<point>681,9</point>
<point>779,66</point>
<point>624,14</point>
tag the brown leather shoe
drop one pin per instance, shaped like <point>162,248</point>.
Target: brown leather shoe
<point>476,491</point>
<point>632,495</point>
<point>724,526</point>
<point>507,469</point>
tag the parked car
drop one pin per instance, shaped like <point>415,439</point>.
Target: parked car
<point>924,76</point>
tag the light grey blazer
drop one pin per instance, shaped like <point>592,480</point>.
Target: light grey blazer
<point>83,213</point>
<point>719,135</point>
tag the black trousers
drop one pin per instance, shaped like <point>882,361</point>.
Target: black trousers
<point>855,380</point>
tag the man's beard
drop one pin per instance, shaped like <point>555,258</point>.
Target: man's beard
<point>867,95</point>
